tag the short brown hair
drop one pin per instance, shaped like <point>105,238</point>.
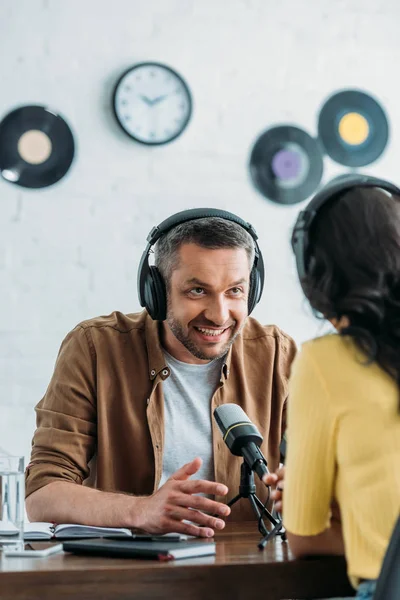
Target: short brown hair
<point>208,232</point>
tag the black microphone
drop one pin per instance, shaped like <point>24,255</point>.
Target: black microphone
<point>241,436</point>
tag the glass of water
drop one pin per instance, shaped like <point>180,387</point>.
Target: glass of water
<point>12,505</point>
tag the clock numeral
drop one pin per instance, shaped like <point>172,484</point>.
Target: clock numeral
<point>152,134</point>
<point>127,117</point>
<point>127,88</point>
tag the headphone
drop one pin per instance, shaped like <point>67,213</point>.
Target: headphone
<point>150,283</point>
<point>339,185</point>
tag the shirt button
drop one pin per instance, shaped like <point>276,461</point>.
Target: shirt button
<point>152,372</point>
<point>165,372</point>
<point>148,401</point>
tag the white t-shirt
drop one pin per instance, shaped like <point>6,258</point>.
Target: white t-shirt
<point>187,415</point>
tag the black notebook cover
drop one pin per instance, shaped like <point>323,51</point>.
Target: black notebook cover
<point>157,550</point>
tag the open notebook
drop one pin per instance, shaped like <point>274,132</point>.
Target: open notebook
<point>47,531</point>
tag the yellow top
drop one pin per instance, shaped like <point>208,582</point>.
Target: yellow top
<point>343,443</point>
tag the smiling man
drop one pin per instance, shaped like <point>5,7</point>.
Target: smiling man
<point>207,311</point>
<point>132,396</point>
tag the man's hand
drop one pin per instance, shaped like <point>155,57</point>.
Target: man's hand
<point>277,479</point>
<point>335,512</point>
<point>176,502</point>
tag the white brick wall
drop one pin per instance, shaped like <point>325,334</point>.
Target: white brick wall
<point>71,251</point>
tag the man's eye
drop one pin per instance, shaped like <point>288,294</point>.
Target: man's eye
<point>236,291</point>
<point>197,291</point>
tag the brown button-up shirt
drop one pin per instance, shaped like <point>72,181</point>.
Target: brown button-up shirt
<point>101,421</point>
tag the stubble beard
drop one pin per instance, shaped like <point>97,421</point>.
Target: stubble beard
<point>178,331</point>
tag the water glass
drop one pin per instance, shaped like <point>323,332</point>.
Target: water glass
<point>12,506</point>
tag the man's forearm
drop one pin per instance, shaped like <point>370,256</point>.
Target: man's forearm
<point>65,502</point>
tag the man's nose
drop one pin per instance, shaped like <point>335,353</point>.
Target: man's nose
<point>217,311</point>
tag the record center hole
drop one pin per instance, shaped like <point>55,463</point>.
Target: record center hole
<point>34,147</point>
<point>353,128</point>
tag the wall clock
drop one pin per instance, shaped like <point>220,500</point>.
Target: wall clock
<point>152,103</point>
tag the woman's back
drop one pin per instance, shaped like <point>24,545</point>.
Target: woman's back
<point>352,452</point>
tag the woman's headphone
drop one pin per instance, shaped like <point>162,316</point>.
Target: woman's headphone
<point>151,285</point>
<point>340,185</point>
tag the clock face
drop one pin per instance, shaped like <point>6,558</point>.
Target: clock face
<point>152,103</point>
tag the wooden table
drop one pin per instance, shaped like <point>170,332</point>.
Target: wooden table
<point>238,571</point>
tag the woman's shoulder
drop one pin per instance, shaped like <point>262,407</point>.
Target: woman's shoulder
<point>329,343</point>
<point>332,352</point>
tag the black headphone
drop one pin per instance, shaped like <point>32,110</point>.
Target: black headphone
<point>151,286</point>
<point>340,185</point>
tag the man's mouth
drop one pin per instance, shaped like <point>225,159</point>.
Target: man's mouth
<point>206,331</point>
<point>211,334</point>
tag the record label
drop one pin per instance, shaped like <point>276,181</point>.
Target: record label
<point>34,147</point>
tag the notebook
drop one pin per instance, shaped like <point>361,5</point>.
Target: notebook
<point>157,550</point>
<point>37,531</point>
<point>47,531</point>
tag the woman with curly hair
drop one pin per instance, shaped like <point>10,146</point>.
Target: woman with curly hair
<point>342,480</point>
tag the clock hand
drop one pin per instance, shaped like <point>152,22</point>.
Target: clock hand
<point>146,100</point>
<point>159,99</point>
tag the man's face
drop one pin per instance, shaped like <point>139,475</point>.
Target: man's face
<point>207,302</point>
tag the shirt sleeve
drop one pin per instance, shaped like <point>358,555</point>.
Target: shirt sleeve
<point>310,461</point>
<point>65,437</point>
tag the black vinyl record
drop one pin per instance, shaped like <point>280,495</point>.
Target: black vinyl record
<point>353,128</point>
<point>286,164</point>
<point>36,147</point>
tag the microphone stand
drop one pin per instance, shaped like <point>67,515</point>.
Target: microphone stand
<point>247,489</point>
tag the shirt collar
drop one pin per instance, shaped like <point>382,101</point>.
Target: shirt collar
<point>157,363</point>
<point>226,367</point>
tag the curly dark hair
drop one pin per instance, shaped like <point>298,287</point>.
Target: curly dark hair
<point>354,271</point>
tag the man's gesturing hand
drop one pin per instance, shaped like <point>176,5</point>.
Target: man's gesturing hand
<point>277,479</point>
<point>177,501</point>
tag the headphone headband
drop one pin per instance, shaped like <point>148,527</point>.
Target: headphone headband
<point>151,287</point>
<point>193,214</point>
<point>340,185</point>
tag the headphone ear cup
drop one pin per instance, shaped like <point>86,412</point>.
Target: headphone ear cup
<point>254,290</point>
<point>155,295</point>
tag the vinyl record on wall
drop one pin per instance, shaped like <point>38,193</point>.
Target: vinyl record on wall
<point>353,128</point>
<point>286,164</point>
<point>36,147</point>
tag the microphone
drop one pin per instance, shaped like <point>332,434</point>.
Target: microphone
<point>241,436</point>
